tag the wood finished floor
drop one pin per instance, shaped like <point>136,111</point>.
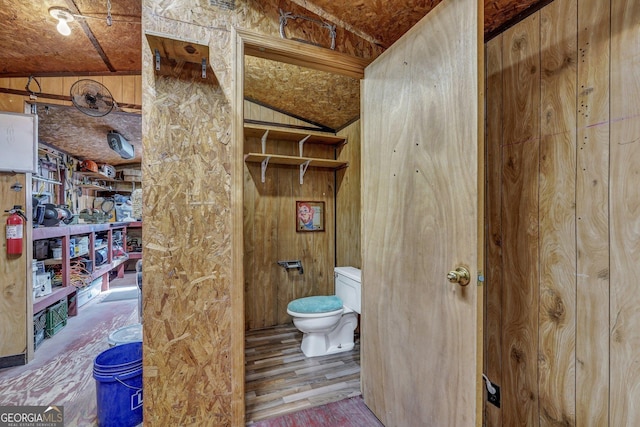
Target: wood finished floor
<point>280,379</point>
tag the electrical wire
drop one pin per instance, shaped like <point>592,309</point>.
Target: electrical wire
<point>33,92</point>
<point>79,276</point>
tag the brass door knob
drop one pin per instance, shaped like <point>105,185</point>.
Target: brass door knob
<point>460,276</point>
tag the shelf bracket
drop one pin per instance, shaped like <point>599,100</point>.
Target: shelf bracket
<point>263,169</point>
<point>301,144</point>
<point>157,60</point>
<point>303,170</point>
<point>204,68</point>
<point>264,142</point>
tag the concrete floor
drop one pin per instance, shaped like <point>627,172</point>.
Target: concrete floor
<point>61,372</point>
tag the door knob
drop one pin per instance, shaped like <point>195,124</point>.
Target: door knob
<point>460,276</point>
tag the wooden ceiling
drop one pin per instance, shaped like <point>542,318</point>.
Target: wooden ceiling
<point>29,47</point>
<point>85,137</point>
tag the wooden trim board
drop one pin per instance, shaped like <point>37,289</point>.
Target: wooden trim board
<point>244,42</point>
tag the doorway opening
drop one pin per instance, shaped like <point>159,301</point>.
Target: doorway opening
<point>265,208</point>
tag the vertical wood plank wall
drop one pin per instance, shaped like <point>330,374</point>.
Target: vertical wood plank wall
<point>15,286</point>
<point>624,211</point>
<point>556,193</point>
<point>270,234</point>
<point>493,215</point>
<point>592,213</point>
<point>125,90</point>
<point>348,190</point>
<point>269,238</point>
<point>15,313</point>
<point>194,348</point>
<point>563,159</point>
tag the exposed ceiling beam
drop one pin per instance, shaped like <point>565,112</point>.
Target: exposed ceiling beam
<point>92,38</point>
<point>58,97</point>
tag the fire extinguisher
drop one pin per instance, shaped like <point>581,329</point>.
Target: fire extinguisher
<point>15,224</point>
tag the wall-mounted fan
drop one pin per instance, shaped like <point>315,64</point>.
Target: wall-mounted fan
<point>92,98</point>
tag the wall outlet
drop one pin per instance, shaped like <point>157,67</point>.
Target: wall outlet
<point>494,398</point>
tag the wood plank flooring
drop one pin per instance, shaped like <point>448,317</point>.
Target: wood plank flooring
<point>280,379</point>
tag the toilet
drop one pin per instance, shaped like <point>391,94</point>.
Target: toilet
<point>328,322</point>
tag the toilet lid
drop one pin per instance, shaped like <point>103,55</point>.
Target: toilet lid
<point>318,304</point>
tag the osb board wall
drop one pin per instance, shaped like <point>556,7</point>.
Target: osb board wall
<point>193,347</point>
<point>328,99</point>
<point>563,329</point>
<point>16,312</point>
<point>270,234</point>
<point>348,200</point>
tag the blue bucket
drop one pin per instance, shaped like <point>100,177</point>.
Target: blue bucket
<point>118,375</point>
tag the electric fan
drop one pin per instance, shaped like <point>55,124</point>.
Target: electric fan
<point>92,98</point>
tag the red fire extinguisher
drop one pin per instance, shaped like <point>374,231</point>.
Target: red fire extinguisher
<point>15,224</point>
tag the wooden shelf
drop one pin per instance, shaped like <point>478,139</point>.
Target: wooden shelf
<point>266,132</point>
<point>93,187</point>
<point>57,293</point>
<point>96,175</point>
<point>295,161</point>
<point>79,255</point>
<point>292,134</point>
<point>101,270</point>
<point>65,233</point>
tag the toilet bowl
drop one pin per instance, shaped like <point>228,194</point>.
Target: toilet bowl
<point>328,322</point>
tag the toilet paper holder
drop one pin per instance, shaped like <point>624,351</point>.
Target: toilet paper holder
<point>288,265</point>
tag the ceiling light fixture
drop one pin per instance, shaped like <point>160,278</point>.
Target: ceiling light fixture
<point>63,16</point>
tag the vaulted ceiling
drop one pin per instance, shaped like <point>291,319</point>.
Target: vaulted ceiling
<point>29,47</point>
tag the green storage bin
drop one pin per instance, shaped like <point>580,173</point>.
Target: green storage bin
<point>56,318</point>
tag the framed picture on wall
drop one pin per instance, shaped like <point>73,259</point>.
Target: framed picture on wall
<point>309,216</point>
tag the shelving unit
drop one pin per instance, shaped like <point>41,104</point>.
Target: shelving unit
<point>65,233</point>
<point>302,137</point>
<point>115,185</point>
<point>95,175</point>
<point>136,225</point>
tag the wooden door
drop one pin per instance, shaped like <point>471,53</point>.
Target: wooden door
<point>422,204</point>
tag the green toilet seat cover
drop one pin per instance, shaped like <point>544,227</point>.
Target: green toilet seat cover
<point>318,304</point>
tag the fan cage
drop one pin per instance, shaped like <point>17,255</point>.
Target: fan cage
<point>92,98</point>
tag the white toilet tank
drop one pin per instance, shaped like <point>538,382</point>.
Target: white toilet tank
<point>348,287</point>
